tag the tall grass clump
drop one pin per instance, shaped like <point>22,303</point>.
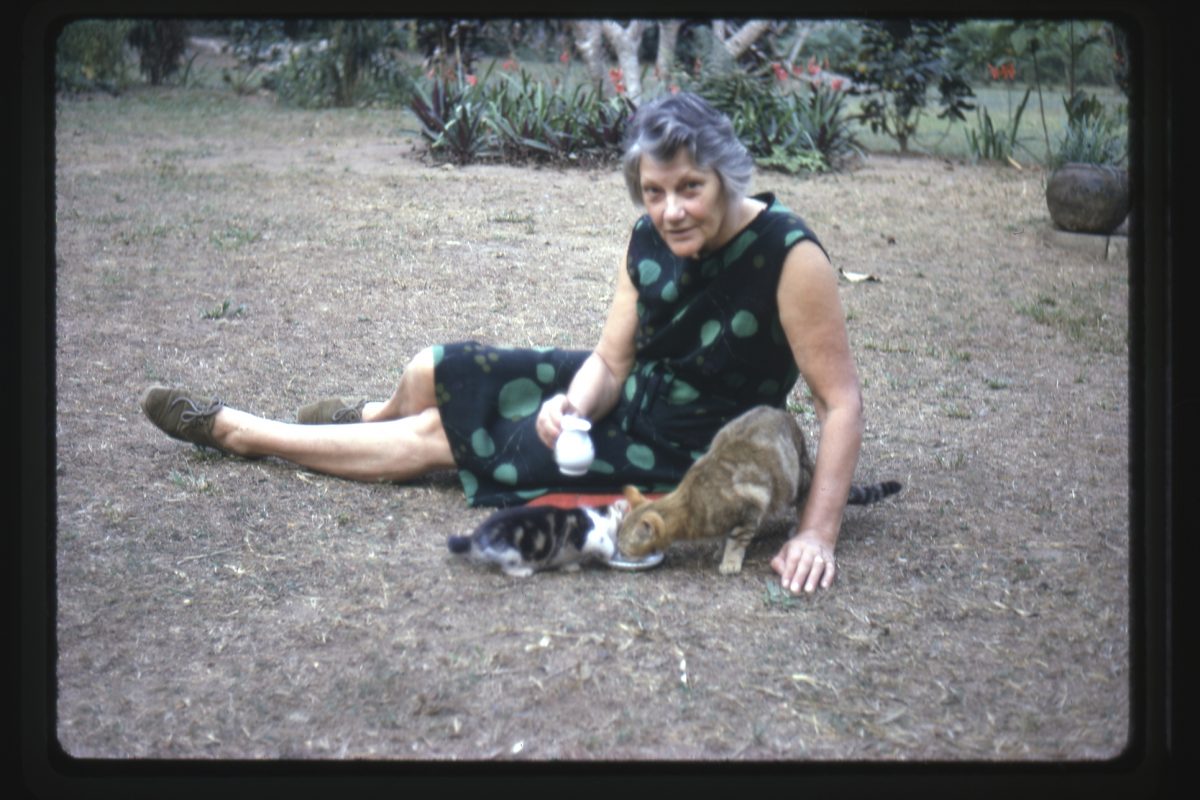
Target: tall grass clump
<point>987,142</point>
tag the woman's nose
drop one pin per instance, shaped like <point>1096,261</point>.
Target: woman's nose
<point>674,208</point>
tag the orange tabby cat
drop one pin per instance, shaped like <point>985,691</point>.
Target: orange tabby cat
<point>755,474</point>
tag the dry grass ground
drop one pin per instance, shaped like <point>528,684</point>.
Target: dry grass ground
<point>216,608</point>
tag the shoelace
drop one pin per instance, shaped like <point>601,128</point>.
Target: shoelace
<point>195,412</point>
<point>349,413</point>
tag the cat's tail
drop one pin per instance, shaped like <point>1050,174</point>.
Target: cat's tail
<point>872,492</point>
<point>459,544</point>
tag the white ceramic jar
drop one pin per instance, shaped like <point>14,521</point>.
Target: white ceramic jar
<point>574,451</point>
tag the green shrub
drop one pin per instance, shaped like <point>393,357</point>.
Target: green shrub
<point>903,61</point>
<point>783,130</point>
<point>358,64</point>
<point>91,54</point>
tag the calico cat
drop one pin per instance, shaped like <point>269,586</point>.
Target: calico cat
<point>754,476</point>
<point>525,540</point>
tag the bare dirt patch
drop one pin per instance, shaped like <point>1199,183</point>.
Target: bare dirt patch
<point>211,607</point>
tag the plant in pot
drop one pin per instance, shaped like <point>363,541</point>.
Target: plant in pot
<point>1088,187</point>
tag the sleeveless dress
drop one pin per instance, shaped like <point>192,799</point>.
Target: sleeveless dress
<point>709,346</point>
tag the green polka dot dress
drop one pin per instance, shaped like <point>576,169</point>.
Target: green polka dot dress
<point>709,346</point>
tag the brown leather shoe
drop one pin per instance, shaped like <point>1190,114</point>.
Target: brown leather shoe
<point>182,415</point>
<point>331,411</point>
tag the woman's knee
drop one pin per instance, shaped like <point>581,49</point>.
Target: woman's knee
<point>415,392</point>
<point>424,360</point>
<point>427,425</point>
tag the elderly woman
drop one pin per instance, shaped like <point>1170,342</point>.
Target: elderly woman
<point>724,300</point>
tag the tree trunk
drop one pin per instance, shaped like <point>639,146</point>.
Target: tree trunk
<point>589,41</point>
<point>668,35</point>
<point>625,42</point>
<point>803,29</point>
<point>740,40</point>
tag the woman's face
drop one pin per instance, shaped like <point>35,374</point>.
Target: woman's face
<point>686,204</point>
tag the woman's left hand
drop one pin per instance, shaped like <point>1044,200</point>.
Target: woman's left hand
<point>805,562</point>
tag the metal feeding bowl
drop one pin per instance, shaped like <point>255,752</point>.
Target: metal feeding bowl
<point>648,561</point>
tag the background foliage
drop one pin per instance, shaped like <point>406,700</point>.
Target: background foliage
<point>807,96</point>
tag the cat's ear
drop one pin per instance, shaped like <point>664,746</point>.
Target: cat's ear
<point>621,506</point>
<point>634,497</point>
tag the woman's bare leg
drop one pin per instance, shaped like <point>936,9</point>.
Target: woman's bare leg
<point>404,439</point>
<point>399,439</point>
<point>391,450</point>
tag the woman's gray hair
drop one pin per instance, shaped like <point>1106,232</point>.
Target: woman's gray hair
<point>661,127</point>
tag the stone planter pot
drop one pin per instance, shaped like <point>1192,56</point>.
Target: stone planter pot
<point>1088,198</point>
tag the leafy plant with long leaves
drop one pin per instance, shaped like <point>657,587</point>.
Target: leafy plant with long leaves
<point>783,130</point>
<point>601,122</point>
<point>1092,135</point>
<point>986,142</point>
<point>453,117</point>
<point>829,128</point>
<point>521,113</point>
<point>518,119</point>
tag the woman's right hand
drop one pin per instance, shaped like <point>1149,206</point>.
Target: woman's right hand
<point>549,420</point>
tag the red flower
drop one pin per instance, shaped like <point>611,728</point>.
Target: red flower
<point>472,80</point>
<point>674,89</point>
<point>1006,72</point>
<point>617,77</point>
<point>836,84</point>
<point>780,72</point>
<point>813,69</point>
<point>565,57</point>
<point>510,65</point>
